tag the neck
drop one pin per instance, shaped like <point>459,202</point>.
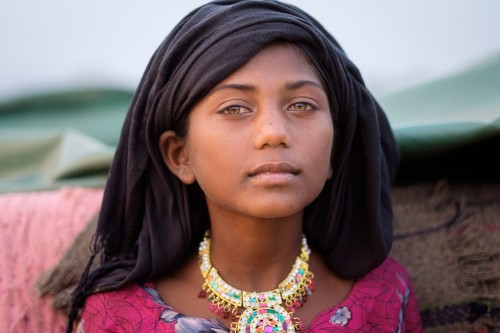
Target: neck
<point>255,254</point>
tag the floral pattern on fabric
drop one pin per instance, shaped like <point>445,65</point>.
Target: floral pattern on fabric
<point>382,301</point>
<point>183,323</point>
<point>341,316</point>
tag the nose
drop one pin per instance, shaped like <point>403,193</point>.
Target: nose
<point>271,129</point>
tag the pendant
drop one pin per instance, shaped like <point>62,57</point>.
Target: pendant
<point>265,320</point>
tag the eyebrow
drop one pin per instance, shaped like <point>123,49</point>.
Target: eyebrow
<point>301,83</point>
<point>235,86</point>
<point>249,88</point>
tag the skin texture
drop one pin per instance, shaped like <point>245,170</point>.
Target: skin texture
<point>259,145</point>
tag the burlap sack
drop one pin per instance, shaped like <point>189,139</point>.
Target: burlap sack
<point>448,236</point>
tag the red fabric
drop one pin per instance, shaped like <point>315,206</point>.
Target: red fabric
<point>37,228</point>
<point>382,301</point>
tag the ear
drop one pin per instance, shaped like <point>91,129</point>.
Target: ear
<point>175,156</point>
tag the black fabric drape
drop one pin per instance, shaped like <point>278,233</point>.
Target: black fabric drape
<point>150,221</point>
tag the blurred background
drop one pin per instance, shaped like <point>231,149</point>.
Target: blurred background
<point>54,44</point>
<point>68,71</point>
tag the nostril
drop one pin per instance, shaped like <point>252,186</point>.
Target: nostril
<point>271,129</point>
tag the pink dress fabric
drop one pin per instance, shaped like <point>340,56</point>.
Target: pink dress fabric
<point>37,228</point>
<point>382,301</point>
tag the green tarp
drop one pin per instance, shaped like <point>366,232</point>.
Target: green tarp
<point>447,113</point>
<point>61,139</point>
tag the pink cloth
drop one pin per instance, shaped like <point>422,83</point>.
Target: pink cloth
<point>382,301</point>
<point>37,228</point>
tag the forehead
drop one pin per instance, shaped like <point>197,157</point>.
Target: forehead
<point>283,60</point>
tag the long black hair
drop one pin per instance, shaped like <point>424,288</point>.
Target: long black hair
<point>150,221</point>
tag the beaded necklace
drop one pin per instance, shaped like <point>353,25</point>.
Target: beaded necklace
<point>258,312</point>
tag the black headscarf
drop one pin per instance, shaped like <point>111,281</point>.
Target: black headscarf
<point>150,221</point>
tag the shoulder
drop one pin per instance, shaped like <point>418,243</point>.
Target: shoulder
<point>389,283</point>
<point>388,299</point>
<point>382,301</point>
<point>127,297</point>
<point>128,309</point>
<point>390,273</point>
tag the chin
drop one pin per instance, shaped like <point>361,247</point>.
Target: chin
<point>276,211</point>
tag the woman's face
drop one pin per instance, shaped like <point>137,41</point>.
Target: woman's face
<point>259,144</point>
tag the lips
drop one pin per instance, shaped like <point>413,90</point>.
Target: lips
<point>274,168</point>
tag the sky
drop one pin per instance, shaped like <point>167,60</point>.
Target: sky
<point>58,44</point>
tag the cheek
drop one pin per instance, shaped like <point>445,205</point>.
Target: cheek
<point>213,162</point>
<point>324,145</point>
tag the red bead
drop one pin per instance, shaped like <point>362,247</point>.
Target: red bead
<point>202,294</point>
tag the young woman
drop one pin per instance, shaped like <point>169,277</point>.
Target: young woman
<point>250,191</point>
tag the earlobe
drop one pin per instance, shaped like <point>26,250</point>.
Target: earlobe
<point>175,156</point>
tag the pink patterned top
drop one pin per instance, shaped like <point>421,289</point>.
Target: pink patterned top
<point>382,301</point>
